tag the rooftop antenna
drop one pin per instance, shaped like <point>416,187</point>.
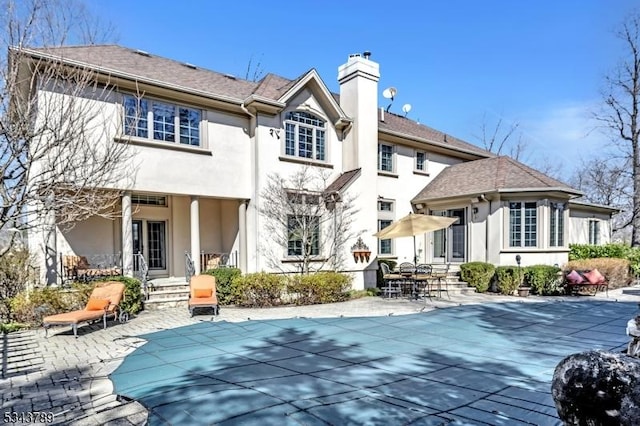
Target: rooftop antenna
<point>406,108</point>
<point>389,93</point>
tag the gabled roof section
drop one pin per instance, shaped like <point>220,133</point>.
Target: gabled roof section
<point>313,80</point>
<point>342,181</point>
<point>490,175</point>
<point>394,124</point>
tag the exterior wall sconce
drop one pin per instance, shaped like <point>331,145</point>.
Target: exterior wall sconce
<point>360,251</point>
<point>474,210</point>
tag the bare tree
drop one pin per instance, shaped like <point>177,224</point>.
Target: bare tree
<point>621,113</point>
<point>499,138</point>
<point>313,224</point>
<point>56,159</point>
<point>254,71</point>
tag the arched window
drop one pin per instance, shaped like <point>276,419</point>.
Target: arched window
<point>305,136</point>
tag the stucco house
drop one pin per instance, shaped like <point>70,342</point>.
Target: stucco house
<point>206,143</point>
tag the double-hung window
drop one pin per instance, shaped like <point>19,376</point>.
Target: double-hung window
<point>594,232</point>
<point>303,234</point>
<point>385,218</point>
<point>556,225</point>
<point>305,136</point>
<point>385,157</point>
<point>421,161</point>
<point>161,121</point>
<point>523,224</point>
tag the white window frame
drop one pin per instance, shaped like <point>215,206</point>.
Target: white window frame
<point>386,215</point>
<point>425,162</point>
<point>556,225</point>
<point>297,121</point>
<point>131,123</point>
<point>594,231</point>
<point>522,233</point>
<point>393,157</point>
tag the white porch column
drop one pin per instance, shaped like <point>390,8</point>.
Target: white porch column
<point>195,233</point>
<point>242,234</point>
<point>127,237</point>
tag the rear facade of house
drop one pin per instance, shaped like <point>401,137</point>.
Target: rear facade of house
<point>205,145</point>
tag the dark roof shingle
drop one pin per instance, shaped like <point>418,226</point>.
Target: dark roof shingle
<point>488,175</point>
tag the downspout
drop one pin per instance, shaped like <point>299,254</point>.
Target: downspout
<point>253,133</point>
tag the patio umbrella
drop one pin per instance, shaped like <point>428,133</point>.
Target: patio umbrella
<point>415,224</point>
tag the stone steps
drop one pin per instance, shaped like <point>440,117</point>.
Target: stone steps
<point>167,293</point>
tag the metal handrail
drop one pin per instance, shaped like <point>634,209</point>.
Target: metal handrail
<point>141,272</point>
<point>189,267</point>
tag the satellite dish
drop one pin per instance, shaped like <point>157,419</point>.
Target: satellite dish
<point>406,108</point>
<point>389,93</point>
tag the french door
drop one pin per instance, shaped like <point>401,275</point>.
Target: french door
<point>449,245</point>
<point>150,239</point>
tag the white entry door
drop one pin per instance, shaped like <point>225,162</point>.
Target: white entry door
<point>150,239</point>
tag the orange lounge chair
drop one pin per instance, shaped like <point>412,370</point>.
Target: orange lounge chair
<point>202,293</point>
<point>103,302</point>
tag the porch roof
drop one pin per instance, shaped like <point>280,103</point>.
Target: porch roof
<point>489,175</point>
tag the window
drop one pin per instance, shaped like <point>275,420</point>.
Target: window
<point>149,200</point>
<point>385,206</point>
<point>152,119</point>
<point>523,226</point>
<point>385,158</point>
<point>421,161</point>
<point>305,136</point>
<point>303,229</point>
<point>556,225</point>
<point>594,232</point>
<point>385,218</point>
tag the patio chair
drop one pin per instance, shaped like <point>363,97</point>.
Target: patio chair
<point>103,302</point>
<point>202,293</point>
<point>440,274</point>
<point>423,278</point>
<point>391,286</point>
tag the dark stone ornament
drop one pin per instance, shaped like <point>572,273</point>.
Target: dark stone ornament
<point>597,388</point>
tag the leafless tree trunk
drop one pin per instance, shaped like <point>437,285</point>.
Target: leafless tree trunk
<point>621,112</point>
<point>56,158</point>
<point>499,138</point>
<point>310,224</point>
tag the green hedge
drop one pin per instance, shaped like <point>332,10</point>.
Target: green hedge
<point>258,289</point>
<point>508,279</point>
<point>321,287</point>
<point>224,283</point>
<point>477,274</point>
<point>612,250</point>
<point>543,279</point>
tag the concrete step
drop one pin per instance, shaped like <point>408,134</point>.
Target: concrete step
<point>169,302</point>
<point>168,294</point>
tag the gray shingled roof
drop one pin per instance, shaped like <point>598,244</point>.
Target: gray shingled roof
<point>396,123</point>
<point>118,60</point>
<point>486,176</point>
<point>341,181</point>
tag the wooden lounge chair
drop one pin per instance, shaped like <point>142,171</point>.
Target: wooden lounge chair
<point>103,302</point>
<point>202,293</point>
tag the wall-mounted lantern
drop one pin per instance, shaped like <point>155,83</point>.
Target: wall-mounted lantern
<point>360,251</point>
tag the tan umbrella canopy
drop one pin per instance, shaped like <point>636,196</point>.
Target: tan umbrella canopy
<point>415,224</point>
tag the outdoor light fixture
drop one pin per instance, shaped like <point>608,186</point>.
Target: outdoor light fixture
<point>518,259</point>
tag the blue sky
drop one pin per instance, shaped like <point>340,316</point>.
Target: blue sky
<point>538,63</point>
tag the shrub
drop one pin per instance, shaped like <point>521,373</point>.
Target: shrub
<point>15,272</point>
<point>258,289</point>
<point>477,274</point>
<point>45,301</point>
<point>613,250</point>
<point>508,279</point>
<point>543,279</point>
<point>224,279</point>
<point>392,265</point>
<point>616,270</point>
<point>321,287</point>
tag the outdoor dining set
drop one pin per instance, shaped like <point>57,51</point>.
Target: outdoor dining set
<point>414,281</point>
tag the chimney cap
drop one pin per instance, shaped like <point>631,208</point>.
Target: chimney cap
<point>366,54</point>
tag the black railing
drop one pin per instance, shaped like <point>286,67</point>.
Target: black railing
<point>141,272</point>
<point>189,267</point>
